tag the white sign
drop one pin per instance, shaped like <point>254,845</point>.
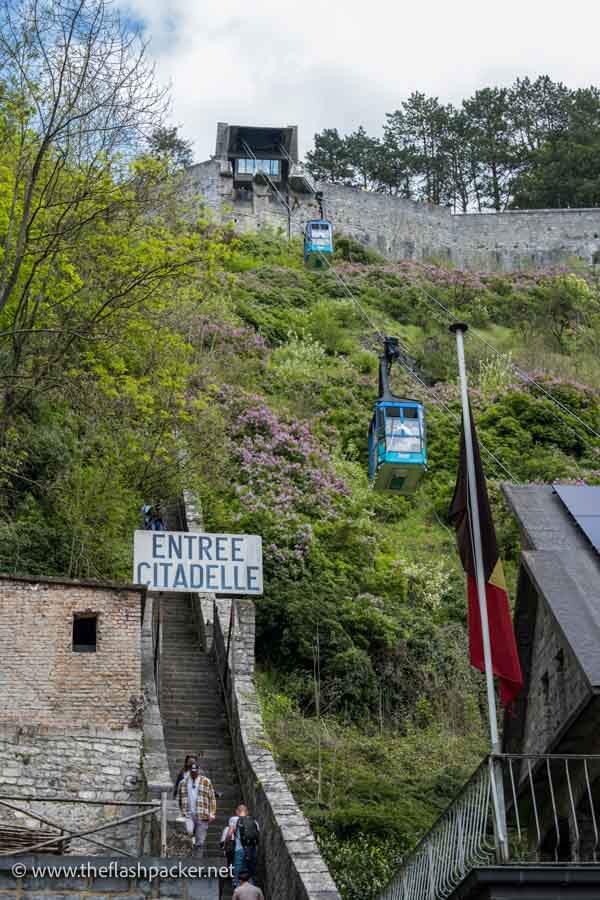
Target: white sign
<point>189,561</point>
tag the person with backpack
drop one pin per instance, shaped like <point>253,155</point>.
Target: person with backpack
<point>244,829</point>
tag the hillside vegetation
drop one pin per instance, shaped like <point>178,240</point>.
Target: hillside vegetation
<point>144,351</point>
<point>251,382</point>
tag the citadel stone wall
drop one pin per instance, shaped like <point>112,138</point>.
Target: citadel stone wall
<point>522,239</point>
<point>404,229</point>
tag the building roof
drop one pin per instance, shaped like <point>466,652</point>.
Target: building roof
<point>563,566</point>
<point>53,581</point>
<point>265,142</point>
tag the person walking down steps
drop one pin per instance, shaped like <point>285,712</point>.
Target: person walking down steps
<point>197,802</point>
<point>247,891</point>
<point>244,829</point>
<point>182,774</point>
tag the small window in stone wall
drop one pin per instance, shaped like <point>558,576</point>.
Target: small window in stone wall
<point>84,632</point>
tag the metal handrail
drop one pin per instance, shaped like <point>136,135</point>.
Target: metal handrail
<point>150,807</point>
<point>549,815</point>
<point>460,838</point>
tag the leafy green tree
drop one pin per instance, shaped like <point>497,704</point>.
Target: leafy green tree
<point>489,122</point>
<point>362,153</point>
<point>564,169</point>
<point>166,145</point>
<point>393,166</point>
<point>329,161</point>
<point>539,110</point>
<point>87,231</point>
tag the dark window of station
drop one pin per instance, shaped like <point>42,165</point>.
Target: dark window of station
<point>84,632</point>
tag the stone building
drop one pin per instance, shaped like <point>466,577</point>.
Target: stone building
<point>70,701</point>
<point>254,180</point>
<point>557,624</point>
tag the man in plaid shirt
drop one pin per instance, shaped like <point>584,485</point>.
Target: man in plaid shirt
<point>197,801</point>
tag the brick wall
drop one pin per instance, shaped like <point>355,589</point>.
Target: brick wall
<point>42,680</point>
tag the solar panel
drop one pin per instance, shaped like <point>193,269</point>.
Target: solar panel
<point>583,502</point>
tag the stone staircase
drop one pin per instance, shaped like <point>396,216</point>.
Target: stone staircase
<point>194,719</point>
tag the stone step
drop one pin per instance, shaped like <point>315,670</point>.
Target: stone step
<point>188,725</point>
<point>195,723</point>
<point>194,717</point>
<point>213,752</point>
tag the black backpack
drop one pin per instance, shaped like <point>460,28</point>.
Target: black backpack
<point>248,831</point>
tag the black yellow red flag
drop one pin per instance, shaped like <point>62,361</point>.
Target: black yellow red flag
<point>505,659</point>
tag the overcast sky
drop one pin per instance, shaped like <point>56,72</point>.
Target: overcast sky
<point>343,63</point>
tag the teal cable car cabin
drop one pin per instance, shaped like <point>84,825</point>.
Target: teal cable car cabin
<point>397,437</point>
<point>318,243</point>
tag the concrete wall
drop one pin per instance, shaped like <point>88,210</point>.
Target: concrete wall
<point>108,878</point>
<point>403,229</point>
<point>42,679</point>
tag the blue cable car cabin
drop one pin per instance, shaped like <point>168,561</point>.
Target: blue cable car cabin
<point>318,242</point>
<point>397,440</point>
<point>397,446</point>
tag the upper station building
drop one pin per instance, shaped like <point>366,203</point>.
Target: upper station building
<point>255,179</point>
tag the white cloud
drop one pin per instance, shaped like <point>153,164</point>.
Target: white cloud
<point>342,63</point>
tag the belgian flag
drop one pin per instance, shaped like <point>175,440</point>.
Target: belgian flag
<point>505,659</point>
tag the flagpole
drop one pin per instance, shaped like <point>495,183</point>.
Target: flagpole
<point>459,328</point>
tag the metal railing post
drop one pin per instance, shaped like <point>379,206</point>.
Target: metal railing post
<point>163,823</point>
<point>499,810</point>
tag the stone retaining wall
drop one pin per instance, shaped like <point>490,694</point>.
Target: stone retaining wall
<point>84,763</point>
<point>290,864</point>
<point>156,767</point>
<point>404,229</point>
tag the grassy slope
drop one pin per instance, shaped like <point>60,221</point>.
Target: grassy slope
<point>254,388</point>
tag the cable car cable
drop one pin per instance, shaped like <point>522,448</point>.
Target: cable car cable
<point>414,374</point>
<point>352,296</point>
<point>522,374</point>
<point>458,419</point>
